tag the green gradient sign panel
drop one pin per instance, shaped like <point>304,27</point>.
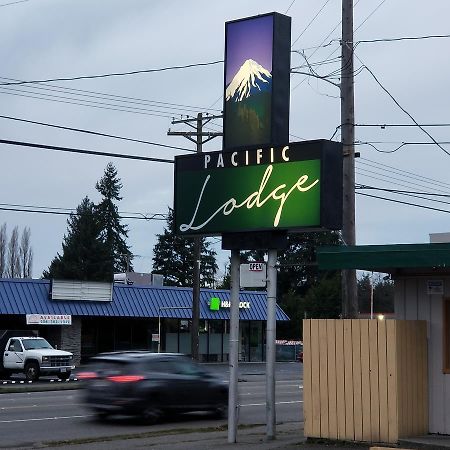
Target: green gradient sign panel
<point>258,189</point>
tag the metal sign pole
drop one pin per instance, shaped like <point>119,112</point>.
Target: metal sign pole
<point>270,343</point>
<point>234,348</point>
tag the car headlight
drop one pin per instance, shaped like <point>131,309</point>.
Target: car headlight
<point>45,358</point>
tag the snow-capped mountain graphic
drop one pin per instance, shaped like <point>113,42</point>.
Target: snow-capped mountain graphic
<point>251,78</point>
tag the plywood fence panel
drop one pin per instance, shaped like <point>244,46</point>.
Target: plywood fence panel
<point>357,384</point>
<point>333,407</point>
<point>392,380</point>
<point>315,377</point>
<point>340,389</point>
<point>383,381</point>
<point>365,380</point>
<point>348,381</point>
<point>374,392</point>
<point>307,382</point>
<point>323,378</point>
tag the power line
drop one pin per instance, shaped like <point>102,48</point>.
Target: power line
<point>95,133</point>
<point>290,6</point>
<point>118,98</point>
<point>403,202</point>
<point>156,216</point>
<point>112,74</point>
<point>84,152</point>
<point>369,16</point>
<point>310,23</point>
<point>402,144</point>
<point>122,109</point>
<point>400,125</point>
<point>157,112</point>
<point>387,168</point>
<point>407,194</point>
<point>403,109</point>
<point>397,191</point>
<point>400,182</point>
<point>13,3</point>
<point>404,38</point>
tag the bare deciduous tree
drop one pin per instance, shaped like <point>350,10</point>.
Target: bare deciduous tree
<point>3,241</point>
<point>13,259</point>
<point>26,254</point>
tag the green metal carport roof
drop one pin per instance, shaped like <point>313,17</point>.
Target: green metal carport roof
<point>396,259</point>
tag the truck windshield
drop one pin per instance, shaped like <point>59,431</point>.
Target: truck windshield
<point>34,344</point>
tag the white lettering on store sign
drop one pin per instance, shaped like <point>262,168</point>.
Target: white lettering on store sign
<point>49,319</point>
<point>281,193</point>
<point>227,304</point>
<point>256,267</point>
<point>232,157</point>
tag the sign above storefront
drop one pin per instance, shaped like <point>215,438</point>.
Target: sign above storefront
<point>49,319</point>
<point>293,187</point>
<point>216,303</point>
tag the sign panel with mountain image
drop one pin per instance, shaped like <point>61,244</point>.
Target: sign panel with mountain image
<point>257,66</point>
<point>292,187</point>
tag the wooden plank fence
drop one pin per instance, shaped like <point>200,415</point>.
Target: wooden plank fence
<point>365,380</point>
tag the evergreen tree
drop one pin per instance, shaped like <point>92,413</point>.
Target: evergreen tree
<point>383,294</point>
<point>84,255</point>
<point>299,282</point>
<point>173,257</point>
<point>114,233</point>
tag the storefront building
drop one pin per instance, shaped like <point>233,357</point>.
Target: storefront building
<point>135,318</point>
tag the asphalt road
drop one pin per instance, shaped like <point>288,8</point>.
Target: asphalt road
<point>28,419</point>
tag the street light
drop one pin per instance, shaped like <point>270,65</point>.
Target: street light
<point>164,308</point>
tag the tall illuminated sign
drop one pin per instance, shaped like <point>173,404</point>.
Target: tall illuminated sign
<point>297,186</point>
<point>257,74</point>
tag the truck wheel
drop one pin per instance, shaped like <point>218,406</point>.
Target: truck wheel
<point>32,371</point>
<point>64,375</point>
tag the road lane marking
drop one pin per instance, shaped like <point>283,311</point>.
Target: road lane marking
<point>276,403</point>
<point>46,418</point>
<point>3,408</point>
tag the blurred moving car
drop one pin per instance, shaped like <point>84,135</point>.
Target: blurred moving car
<point>150,385</point>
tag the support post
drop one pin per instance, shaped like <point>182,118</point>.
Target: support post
<point>349,287</point>
<point>270,343</point>
<point>233,406</point>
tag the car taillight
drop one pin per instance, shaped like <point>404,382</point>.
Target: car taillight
<point>86,375</point>
<point>125,378</point>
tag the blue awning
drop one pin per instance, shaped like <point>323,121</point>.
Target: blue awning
<point>25,296</point>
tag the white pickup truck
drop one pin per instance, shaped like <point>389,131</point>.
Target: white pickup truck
<point>33,356</point>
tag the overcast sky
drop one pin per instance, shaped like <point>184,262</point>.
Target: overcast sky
<point>43,39</point>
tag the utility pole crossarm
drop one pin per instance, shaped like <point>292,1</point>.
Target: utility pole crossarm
<point>194,119</point>
<point>194,133</point>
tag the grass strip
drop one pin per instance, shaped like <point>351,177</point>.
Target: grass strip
<point>147,434</point>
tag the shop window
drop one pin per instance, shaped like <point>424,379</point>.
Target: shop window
<point>446,329</point>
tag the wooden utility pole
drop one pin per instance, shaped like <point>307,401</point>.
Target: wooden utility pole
<point>199,137</point>
<point>349,287</point>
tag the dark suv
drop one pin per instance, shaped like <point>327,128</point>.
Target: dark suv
<point>150,385</point>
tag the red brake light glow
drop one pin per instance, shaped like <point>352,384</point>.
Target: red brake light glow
<point>125,378</point>
<point>86,375</point>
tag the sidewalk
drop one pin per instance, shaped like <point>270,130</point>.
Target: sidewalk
<point>288,436</point>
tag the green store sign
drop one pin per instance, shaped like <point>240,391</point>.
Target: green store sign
<point>292,187</point>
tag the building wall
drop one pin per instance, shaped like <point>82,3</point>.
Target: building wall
<point>413,303</point>
<point>71,339</point>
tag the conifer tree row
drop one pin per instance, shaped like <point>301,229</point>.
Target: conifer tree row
<point>94,247</point>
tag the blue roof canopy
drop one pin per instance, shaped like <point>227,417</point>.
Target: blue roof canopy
<point>26,296</point>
